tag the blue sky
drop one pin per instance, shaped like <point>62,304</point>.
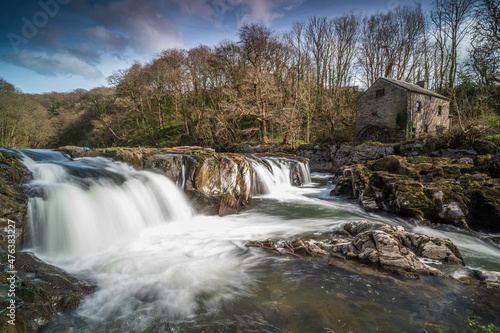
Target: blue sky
<point>63,45</point>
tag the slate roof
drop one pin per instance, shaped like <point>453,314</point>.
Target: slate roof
<point>413,87</point>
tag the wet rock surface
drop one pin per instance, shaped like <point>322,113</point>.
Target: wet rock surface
<point>430,189</point>
<point>42,291</point>
<point>379,245</point>
<point>13,201</point>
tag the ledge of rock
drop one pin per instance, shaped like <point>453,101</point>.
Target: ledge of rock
<point>216,183</point>
<point>379,245</point>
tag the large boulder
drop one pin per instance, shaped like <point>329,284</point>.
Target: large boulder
<point>320,156</point>
<point>390,248</point>
<point>434,248</point>
<point>343,154</point>
<point>394,249</point>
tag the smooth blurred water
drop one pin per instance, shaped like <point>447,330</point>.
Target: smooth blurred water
<point>159,267</point>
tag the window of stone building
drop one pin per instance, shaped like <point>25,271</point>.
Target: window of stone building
<point>426,128</point>
<point>419,106</point>
<point>380,93</point>
<point>440,110</point>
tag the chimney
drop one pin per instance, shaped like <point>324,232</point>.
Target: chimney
<point>422,84</point>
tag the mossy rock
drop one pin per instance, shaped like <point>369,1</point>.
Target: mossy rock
<point>391,163</point>
<point>13,201</point>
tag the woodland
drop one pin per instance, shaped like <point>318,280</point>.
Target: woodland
<point>289,88</point>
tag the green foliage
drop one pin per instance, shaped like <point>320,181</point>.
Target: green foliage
<point>482,328</point>
<point>403,120</point>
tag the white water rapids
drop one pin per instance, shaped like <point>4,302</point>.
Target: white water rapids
<point>134,235</point>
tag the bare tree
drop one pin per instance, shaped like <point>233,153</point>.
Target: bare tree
<point>345,38</point>
<point>485,52</point>
<point>452,21</point>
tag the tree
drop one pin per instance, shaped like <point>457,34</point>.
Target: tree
<point>23,120</point>
<point>452,21</point>
<point>257,47</point>
<point>485,51</point>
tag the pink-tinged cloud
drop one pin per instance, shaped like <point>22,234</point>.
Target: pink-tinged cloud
<point>257,11</point>
<point>246,11</point>
<point>135,24</point>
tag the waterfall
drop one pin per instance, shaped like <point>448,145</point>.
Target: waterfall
<point>277,174</point>
<point>85,205</point>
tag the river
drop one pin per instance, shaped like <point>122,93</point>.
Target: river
<point>160,267</point>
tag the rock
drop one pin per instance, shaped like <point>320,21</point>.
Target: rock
<point>319,157</point>
<point>440,190</point>
<point>302,248</point>
<point>394,249</point>
<point>343,155</point>
<point>390,248</point>
<point>72,151</point>
<point>42,291</point>
<point>479,277</point>
<point>495,240</point>
<point>453,211</point>
<point>221,205</point>
<point>13,200</point>
<point>459,153</point>
<point>330,158</point>
<point>494,166</point>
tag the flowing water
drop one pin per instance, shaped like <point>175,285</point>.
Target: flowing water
<point>161,268</point>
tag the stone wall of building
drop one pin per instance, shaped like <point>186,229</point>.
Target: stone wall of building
<point>429,119</point>
<point>382,110</point>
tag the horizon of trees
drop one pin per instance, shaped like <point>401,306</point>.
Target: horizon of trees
<point>293,87</point>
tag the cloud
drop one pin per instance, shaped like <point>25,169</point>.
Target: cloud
<point>293,4</point>
<point>107,38</point>
<point>62,62</point>
<point>85,52</point>
<point>137,24</point>
<point>256,11</point>
<point>202,8</point>
<point>246,11</point>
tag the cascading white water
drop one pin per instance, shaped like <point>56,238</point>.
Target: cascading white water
<point>75,216</point>
<point>274,174</point>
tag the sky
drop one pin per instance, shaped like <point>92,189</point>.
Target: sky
<point>63,45</point>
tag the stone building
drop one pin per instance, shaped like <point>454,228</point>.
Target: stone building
<point>392,110</point>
